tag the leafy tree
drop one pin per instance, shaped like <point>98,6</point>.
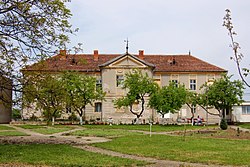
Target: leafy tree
<point>168,99</point>
<point>237,55</point>
<point>81,91</point>
<point>222,94</point>
<point>139,87</point>
<point>30,30</point>
<point>46,93</point>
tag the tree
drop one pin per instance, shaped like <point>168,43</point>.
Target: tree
<point>30,30</point>
<point>222,94</point>
<point>46,93</point>
<point>237,56</point>
<point>192,100</point>
<point>168,99</point>
<point>139,87</point>
<point>81,90</point>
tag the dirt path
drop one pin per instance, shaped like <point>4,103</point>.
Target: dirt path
<point>82,143</point>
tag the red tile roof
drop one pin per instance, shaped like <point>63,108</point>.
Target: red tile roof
<point>86,63</point>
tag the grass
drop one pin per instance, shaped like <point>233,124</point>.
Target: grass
<point>59,155</point>
<point>155,128</point>
<point>9,131</point>
<point>43,129</point>
<point>12,133</point>
<point>247,126</point>
<point>109,133</point>
<point>197,150</point>
<point>4,127</point>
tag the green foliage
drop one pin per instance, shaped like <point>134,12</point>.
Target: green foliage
<point>222,94</point>
<point>168,99</point>
<point>80,91</point>
<point>16,114</point>
<point>72,117</point>
<point>30,31</point>
<point>45,91</point>
<point>223,124</point>
<point>139,86</point>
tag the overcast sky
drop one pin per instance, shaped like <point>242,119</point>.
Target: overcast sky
<point>163,27</point>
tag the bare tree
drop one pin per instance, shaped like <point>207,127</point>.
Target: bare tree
<point>237,55</point>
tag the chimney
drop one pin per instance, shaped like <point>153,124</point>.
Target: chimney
<point>96,55</point>
<point>141,54</point>
<point>63,54</point>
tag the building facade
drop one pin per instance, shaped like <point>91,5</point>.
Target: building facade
<point>110,69</point>
<point>5,99</point>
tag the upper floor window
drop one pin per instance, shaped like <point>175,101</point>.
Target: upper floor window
<point>192,84</point>
<point>119,80</point>
<point>245,109</point>
<point>98,83</point>
<point>98,107</point>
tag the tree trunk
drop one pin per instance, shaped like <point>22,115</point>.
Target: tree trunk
<point>53,120</point>
<point>81,122</point>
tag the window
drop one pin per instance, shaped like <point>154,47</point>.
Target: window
<point>68,109</point>
<point>98,83</point>
<point>98,107</point>
<point>119,80</point>
<point>192,84</point>
<point>245,109</point>
<point>175,79</point>
<point>193,109</point>
<point>176,82</point>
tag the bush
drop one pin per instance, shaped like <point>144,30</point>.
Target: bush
<point>223,124</point>
<point>72,117</point>
<point>16,114</point>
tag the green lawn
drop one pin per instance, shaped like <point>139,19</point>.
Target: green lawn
<point>43,129</point>
<point>109,133</point>
<point>247,126</point>
<point>155,128</point>
<point>12,133</point>
<point>9,131</point>
<point>194,149</point>
<point>4,127</point>
<point>59,155</point>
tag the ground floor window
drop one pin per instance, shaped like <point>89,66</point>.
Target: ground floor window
<point>245,109</point>
<point>98,107</point>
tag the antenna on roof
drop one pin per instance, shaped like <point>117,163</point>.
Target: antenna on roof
<point>126,45</point>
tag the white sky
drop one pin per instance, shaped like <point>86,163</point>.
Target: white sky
<point>163,27</point>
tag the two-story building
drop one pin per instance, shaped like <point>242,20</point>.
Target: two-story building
<point>110,69</point>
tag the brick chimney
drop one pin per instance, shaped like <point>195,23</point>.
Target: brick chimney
<point>141,54</point>
<point>63,54</point>
<point>96,56</point>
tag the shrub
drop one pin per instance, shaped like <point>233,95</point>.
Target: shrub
<point>72,117</point>
<point>16,114</point>
<point>223,124</point>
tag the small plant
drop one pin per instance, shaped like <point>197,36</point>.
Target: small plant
<point>223,124</point>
